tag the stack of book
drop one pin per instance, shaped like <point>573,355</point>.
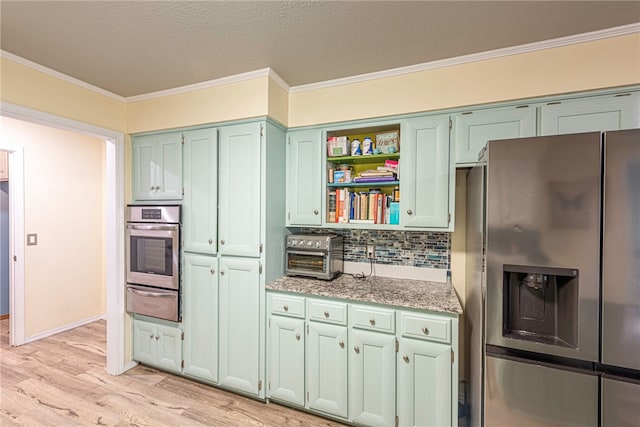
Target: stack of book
<point>386,173</point>
<point>372,207</point>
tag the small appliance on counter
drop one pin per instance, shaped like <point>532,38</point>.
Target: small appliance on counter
<point>314,255</point>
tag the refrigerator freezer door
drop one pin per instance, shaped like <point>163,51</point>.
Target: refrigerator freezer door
<point>524,394</point>
<point>620,403</point>
<point>621,250</point>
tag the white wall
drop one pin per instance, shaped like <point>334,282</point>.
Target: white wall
<point>64,181</point>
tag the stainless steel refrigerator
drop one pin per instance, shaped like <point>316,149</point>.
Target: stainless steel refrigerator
<point>553,281</point>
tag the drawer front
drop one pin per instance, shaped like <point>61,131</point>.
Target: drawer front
<point>286,305</point>
<point>374,319</point>
<point>424,327</point>
<point>327,311</point>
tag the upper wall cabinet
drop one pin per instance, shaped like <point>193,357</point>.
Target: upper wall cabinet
<point>304,178</point>
<point>157,167</point>
<point>599,113</point>
<point>200,206</point>
<point>473,129</point>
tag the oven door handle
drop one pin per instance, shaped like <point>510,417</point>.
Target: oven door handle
<point>306,253</point>
<point>152,227</point>
<point>152,294</point>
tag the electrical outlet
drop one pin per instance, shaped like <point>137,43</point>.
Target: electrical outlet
<point>371,250</point>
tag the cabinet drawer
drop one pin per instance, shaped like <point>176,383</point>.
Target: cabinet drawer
<point>374,319</point>
<point>424,327</point>
<point>287,305</point>
<point>327,311</point>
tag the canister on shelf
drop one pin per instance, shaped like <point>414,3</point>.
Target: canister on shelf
<point>355,147</point>
<point>396,194</point>
<point>367,146</point>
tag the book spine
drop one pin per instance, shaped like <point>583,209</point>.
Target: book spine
<point>379,208</point>
<point>332,207</point>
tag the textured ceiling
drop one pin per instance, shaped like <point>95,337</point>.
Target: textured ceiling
<point>136,47</point>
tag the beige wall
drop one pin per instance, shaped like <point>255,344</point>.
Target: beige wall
<point>587,66</point>
<point>63,178</point>
<point>26,87</point>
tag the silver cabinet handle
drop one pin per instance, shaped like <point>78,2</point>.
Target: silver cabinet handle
<point>341,344</point>
<point>285,307</point>
<point>409,212</point>
<point>211,241</point>
<point>298,337</point>
<point>213,271</point>
<point>326,314</point>
<point>315,212</point>
<point>425,331</point>
<point>356,349</point>
<point>405,358</point>
<point>372,321</point>
<point>222,242</point>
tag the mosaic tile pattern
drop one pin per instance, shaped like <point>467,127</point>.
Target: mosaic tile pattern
<point>405,248</point>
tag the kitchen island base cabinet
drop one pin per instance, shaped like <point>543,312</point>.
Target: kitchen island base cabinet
<point>327,373</point>
<point>157,345</point>
<point>372,373</point>
<point>240,325</point>
<point>200,319</point>
<point>286,360</point>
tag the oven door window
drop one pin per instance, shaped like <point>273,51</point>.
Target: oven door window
<point>152,255</point>
<point>306,262</point>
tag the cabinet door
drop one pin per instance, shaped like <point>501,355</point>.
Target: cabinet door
<point>304,178</point>
<point>144,168</point>
<point>286,359</point>
<point>170,171</point>
<point>601,113</point>
<point>200,317</point>
<point>240,324</point>
<point>473,129</point>
<point>144,342</point>
<point>427,175</point>
<point>239,191</point>
<point>200,207</point>
<point>327,368</point>
<point>424,384</point>
<point>372,372</point>
<point>168,348</point>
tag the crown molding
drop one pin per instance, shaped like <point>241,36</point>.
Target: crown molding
<point>481,56</point>
<point>279,80</point>
<point>45,70</point>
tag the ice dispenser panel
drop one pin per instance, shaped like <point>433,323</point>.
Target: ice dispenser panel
<point>541,304</point>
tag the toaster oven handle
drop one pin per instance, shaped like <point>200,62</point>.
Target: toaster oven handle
<point>151,294</point>
<point>306,253</point>
<point>151,227</point>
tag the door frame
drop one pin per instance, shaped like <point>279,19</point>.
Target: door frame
<point>114,226</point>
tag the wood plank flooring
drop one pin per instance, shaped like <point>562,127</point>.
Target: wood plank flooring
<point>61,381</point>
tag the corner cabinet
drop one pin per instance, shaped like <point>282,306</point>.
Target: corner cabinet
<point>304,178</point>
<point>157,166</point>
<point>158,343</point>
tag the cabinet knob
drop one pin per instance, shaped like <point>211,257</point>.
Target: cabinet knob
<point>372,321</point>
<point>213,271</point>
<point>409,212</point>
<point>211,241</point>
<point>151,335</point>
<point>405,358</point>
<point>222,273</point>
<point>285,307</point>
<point>341,344</point>
<point>298,337</point>
<point>152,188</point>
<point>425,331</point>
<point>315,212</point>
<point>157,187</point>
<point>157,337</point>
<point>326,314</point>
<point>356,349</point>
<point>222,242</point>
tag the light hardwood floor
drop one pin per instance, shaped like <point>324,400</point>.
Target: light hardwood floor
<point>62,381</point>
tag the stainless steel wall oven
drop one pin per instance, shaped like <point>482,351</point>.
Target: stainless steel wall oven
<point>153,260</point>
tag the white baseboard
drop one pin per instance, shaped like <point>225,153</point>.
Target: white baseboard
<point>129,365</point>
<point>64,328</point>
<point>397,271</point>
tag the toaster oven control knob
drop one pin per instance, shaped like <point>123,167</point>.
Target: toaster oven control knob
<point>317,244</point>
<point>309,243</point>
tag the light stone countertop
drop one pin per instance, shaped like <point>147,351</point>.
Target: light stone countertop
<point>402,293</point>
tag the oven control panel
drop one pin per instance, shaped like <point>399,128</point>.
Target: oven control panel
<point>310,242</point>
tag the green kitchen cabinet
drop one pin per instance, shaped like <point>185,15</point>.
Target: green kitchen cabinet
<point>240,324</point>
<point>372,372</point>
<point>157,166</point>
<point>157,344</point>
<point>598,113</point>
<point>239,189</point>
<point>427,174</point>
<point>200,205</point>
<point>304,178</point>
<point>286,360</point>
<point>200,317</point>
<point>472,129</point>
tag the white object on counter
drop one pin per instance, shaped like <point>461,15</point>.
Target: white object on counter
<point>398,271</point>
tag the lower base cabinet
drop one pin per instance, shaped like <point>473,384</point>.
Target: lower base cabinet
<point>286,360</point>
<point>157,345</point>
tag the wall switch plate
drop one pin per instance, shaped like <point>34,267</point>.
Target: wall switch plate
<point>371,250</point>
<point>32,239</point>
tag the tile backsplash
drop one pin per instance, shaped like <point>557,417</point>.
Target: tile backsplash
<point>405,248</point>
